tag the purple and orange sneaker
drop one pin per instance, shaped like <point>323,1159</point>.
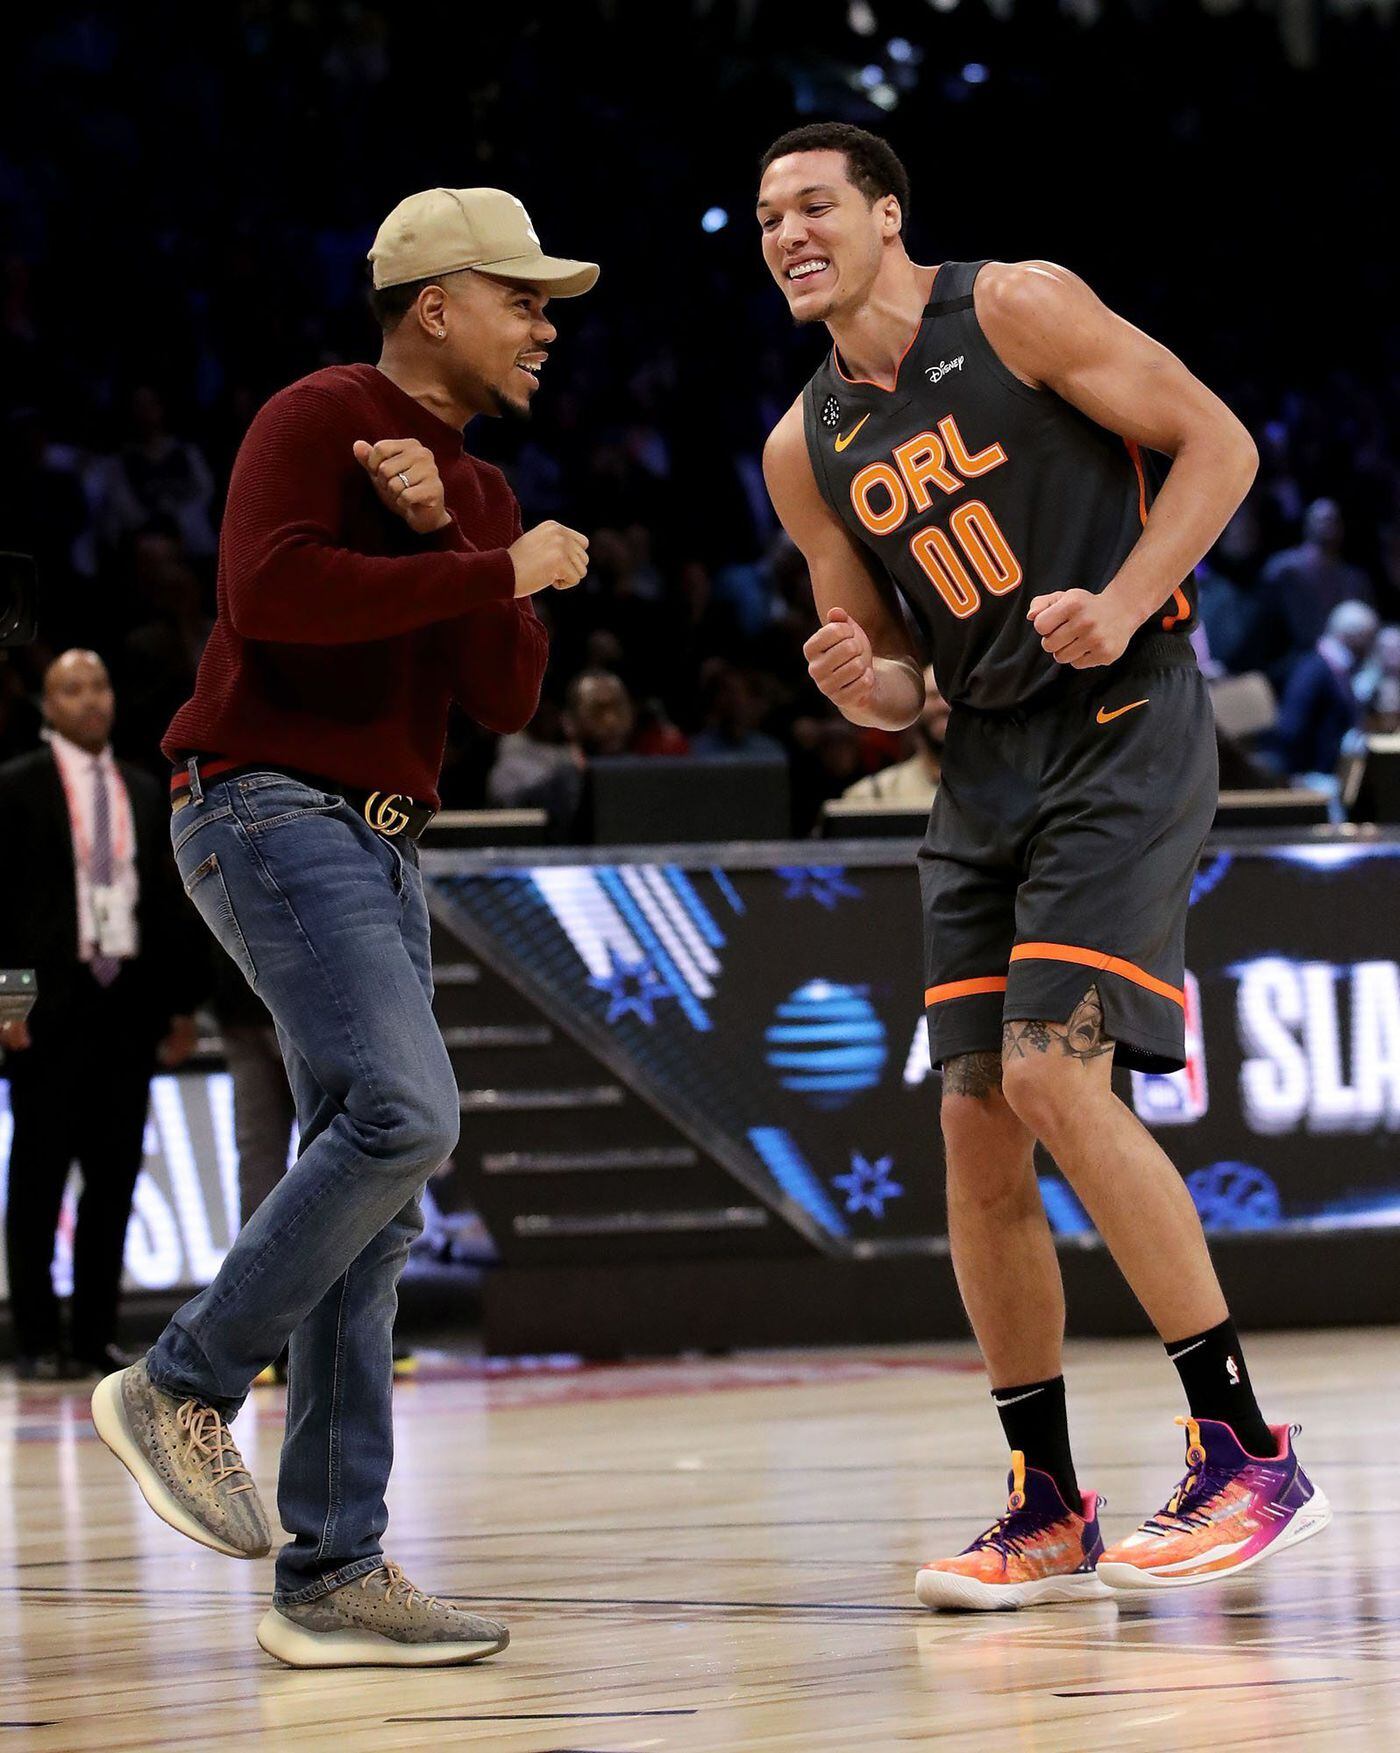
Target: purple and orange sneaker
<point>1231,1510</point>
<point>1040,1550</point>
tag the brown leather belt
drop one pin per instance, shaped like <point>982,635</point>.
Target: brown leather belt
<point>392,814</point>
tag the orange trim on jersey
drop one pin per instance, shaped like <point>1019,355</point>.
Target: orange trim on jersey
<point>1180,601</point>
<point>1135,452</point>
<point>1069,952</point>
<point>870,382</point>
<point>964,988</point>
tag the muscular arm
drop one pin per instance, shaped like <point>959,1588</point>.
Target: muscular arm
<point>885,685</point>
<point>288,577</point>
<point>1052,332</point>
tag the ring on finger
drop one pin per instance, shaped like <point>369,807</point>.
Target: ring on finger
<point>403,476</point>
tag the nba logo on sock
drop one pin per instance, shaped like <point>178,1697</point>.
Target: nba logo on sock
<point>1232,1369</point>
<point>1179,1097</point>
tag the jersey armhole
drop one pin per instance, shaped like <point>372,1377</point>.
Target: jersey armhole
<point>993,360</point>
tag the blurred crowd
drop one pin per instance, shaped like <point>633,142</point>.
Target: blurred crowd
<point>225,220</point>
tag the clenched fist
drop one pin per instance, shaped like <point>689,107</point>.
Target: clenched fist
<point>406,478</point>
<point>841,662</point>
<point>549,554</point>
<point>1081,629</point>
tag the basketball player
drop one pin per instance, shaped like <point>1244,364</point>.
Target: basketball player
<point>970,458</point>
<point>370,573</point>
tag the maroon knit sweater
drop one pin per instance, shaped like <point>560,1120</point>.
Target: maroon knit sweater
<point>342,637</point>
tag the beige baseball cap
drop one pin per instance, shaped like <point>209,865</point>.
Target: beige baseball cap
<point>440,231</point>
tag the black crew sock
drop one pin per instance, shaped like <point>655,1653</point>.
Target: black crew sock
<point>1212,1370</point>
<point>1034,1419</point>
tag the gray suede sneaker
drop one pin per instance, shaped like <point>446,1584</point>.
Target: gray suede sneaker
<point>378,1620</point>
<point>181,1455</point>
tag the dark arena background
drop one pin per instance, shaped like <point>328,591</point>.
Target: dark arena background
<point>686,1391</point>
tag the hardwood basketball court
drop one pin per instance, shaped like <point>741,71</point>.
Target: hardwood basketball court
<point>720,1555</point>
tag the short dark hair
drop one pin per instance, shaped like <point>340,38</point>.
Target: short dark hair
<point>391,304</point>
<point>872,164</point>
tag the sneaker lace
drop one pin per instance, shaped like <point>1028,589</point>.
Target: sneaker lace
<point>1005,1535</point>
<point>1010,1532</point>
<point>209,1441</point>
<point>391,1579</point>
<point>1187,1506</point>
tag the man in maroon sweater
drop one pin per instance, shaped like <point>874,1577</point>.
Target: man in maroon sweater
<point>370,573</point>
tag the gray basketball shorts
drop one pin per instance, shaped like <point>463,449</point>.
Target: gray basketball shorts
<point>1060,854</point>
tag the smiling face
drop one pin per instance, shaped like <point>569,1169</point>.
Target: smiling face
<point>823,240</point>
<point>498,340</point>
<point>483,340</point>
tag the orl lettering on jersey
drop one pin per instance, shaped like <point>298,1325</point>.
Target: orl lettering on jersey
<point>976,493</point>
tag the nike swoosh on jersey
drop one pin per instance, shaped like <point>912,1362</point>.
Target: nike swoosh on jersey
<point>845,438</point>
<point>1118,711</point>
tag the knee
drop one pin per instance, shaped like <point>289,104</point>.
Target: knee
<point>420,1129</point>
<point>431,1135</point>
<point>987,1150</point>
<point>1039,1093</point>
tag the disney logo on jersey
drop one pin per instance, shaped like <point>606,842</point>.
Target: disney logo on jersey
<point>936,373</point>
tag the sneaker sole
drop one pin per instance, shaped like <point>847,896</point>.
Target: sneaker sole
<point>1310,1520</point>
<point>948,1589</point>
<point>299,1648</point>
<point>109,1416</point>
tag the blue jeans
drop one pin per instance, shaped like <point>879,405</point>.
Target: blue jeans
<point>328,923</point>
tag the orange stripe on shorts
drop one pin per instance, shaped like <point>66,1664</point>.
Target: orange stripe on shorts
<point>964,988</point>
<point>1069,952</point>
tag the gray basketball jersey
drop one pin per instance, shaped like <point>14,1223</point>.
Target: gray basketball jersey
<point>976,493</point>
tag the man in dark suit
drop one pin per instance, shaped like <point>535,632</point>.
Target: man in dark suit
<point>90,899</point>
<point>1319,705</point>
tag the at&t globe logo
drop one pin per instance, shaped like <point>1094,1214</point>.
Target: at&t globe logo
<point>826,1042</point>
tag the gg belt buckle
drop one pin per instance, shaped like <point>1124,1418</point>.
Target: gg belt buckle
<point>383,814</point>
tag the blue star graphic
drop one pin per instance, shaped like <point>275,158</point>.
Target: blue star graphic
<point>631,987</point>
<point>825,883</point>
<point>868,1185</point>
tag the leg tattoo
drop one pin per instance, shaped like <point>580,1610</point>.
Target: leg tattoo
<point>1020,1039</point>
<point>973,1074</point>
<point>1084,1036</point>
<point>1081,1038</point>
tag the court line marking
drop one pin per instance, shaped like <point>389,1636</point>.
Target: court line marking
<point>1213,1686</point>
<point>116,1594</point>
<point>542,1716</point>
